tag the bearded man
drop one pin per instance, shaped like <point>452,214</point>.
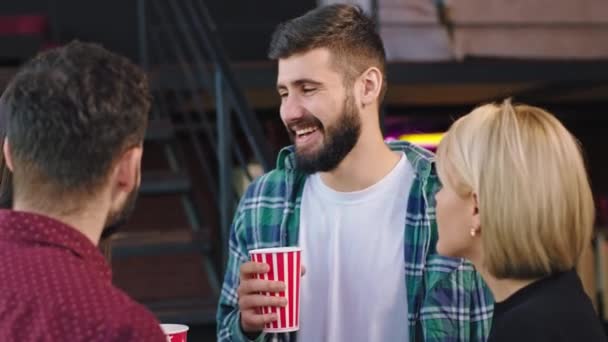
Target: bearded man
<point>362,211</point>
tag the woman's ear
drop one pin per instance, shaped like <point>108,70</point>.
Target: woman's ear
<point>476,221</point>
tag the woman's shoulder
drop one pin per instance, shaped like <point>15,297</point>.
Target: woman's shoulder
<point>553,308</point>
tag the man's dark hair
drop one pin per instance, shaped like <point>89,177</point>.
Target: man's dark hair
<point>344,30</point>
<point>70,113</point>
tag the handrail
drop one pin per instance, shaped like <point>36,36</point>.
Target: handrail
<point>188,35</point>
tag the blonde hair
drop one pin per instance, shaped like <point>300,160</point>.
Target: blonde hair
<point>535,203</point>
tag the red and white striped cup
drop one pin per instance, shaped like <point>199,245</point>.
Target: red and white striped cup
<point>285,266</point>
<point>175,332</point>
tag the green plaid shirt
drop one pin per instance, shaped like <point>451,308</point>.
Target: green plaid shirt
<point>447,300</point>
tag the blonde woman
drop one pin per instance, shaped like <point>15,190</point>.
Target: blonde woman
<point>516,202</point>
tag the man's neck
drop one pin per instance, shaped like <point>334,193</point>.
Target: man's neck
<point>87,220</point>
<point>368,162</point>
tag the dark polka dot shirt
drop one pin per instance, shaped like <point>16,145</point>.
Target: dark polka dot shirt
<point>55,285</point>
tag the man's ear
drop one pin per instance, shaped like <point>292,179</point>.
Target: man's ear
<point>372,80</point>
<point>127,170</point>
<point>8,157</point>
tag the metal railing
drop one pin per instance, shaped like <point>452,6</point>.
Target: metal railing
<point>192,78</point>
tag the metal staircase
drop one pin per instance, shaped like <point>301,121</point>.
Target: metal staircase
<point>206,130</point>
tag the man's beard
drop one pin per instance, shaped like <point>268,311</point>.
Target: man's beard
<point>116,220</point>
<point>338,140</point>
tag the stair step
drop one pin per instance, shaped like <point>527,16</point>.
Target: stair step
<point>178,288</point>
<point>164,183</point>
<point>129,244</point>
<point>185,311</point>
<point>160,130</point>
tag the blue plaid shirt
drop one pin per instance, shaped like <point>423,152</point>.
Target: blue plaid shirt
<point>447,299</point>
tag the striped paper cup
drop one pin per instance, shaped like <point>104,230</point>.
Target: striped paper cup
<point>285,266</point>
<point>175,332</point>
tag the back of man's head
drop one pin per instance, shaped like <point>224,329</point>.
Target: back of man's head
<point>71,112</point>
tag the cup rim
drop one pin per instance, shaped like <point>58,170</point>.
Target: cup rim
<point>171,328</point>
<point>275,250</point>
<point>282,330</point>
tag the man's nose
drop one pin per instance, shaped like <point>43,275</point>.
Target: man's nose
<point>291,110</point>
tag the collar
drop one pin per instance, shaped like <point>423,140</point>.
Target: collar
<point>42,230</point>
<point>421,159</point>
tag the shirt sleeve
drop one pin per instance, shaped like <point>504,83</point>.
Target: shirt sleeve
<point>458,308</point>
<point>228,314</point>
<point>481,308</point>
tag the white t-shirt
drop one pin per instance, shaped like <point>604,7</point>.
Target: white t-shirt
<point>353,251</point>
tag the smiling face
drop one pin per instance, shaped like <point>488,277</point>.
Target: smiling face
<point>318,110</point>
